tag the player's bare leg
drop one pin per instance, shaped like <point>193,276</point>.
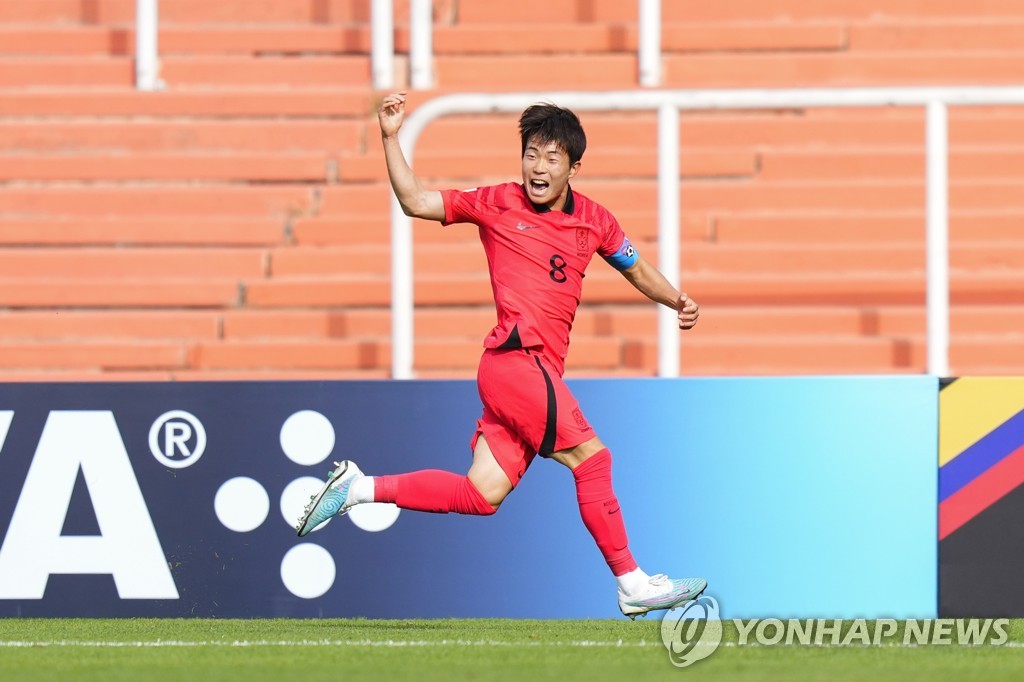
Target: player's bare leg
<point>487,475</point>
<point>591,465</point>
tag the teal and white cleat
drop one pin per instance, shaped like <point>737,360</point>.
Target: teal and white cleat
<point>332,499</point>
<point>661,592</point>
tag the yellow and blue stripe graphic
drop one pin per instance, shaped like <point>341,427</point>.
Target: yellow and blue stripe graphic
<point>981,446</point>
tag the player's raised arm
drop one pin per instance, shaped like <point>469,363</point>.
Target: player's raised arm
<point>415,200</point>
<point>651,283</point>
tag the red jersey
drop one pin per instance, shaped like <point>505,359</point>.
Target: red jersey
<point>537,258</point>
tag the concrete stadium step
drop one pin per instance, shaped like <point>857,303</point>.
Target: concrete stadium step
<point>222,102</point>
<point>462,258</point>
<point>851,257</point>
<point>189,39</point>
<point>971,33</point>
<point>730,10</point>
<point>223,11</point>
<point>640,321</point>
<point>92,201</point>
<point>745,356</point>
<point>108,263</point>
<point>834,288</point>
<point>965,322</point>
<point>72,325</point>
<point>732,70</point>
<point>178,72</point>
<point>182,231</point>
<point>819,355</point>
<point>860,226</point>
<point>292,167</point>
<point>95,355</point>
<point>506,37</point>
<point>965,163</point>
<point>143,292</point>
<point>89,135</point>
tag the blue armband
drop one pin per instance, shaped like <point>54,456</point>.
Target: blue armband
<point>625,257</point>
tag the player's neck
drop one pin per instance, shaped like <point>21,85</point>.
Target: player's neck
<point>563,202</point>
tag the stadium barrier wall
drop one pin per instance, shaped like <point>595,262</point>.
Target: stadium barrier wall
<point>796,497</point>
<point>981,499</point>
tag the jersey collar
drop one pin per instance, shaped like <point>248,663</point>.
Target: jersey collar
<point>569,207</point>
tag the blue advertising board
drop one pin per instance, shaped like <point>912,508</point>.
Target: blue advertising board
<point>811,497</point>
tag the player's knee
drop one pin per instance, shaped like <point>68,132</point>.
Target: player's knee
<point>493,496</point>
<point>471,499</point>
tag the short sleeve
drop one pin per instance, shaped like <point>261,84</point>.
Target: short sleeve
<point>463,206</point>
<point>616,248</point>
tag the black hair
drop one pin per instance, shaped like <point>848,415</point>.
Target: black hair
<point>550,123</point>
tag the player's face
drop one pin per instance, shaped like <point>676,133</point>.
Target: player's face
<point>546,173</point>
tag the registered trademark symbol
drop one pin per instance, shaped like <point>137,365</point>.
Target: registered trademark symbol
<point>177,439</point>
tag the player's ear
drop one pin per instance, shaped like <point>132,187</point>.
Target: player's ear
<point>574,169</point>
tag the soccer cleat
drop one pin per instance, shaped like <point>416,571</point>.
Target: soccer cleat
<point>661,592</point>
<point>331,500</point>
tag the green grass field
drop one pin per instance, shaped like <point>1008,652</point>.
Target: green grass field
<point>566,651</point>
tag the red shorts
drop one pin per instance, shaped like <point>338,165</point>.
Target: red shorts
<point>528,410</point>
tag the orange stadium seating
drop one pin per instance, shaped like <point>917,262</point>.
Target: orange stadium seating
<point>235,225</point>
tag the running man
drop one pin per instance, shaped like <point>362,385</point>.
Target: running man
<point>539,237</point>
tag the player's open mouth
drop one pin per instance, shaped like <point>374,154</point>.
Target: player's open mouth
<point>538,187</point>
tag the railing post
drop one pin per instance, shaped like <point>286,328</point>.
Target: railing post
<point>401,292</point>
<point>421,44</point>
<point>382,49</point>
<point>649,43</point>
<point>668,234</point>
<point>147,64</point>
<point>937,143</point>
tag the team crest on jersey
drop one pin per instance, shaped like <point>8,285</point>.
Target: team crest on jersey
<point>582,241</point>
<point>580,420</point>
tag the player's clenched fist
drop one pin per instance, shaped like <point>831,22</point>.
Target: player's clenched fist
<point>391,113</point>
<point>689,311</point>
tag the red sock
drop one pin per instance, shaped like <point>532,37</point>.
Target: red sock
<point>432,491</point>
<point>600,511</point>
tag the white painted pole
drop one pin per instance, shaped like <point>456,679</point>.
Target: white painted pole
<point>147,64</point>
<point>668,234</point>
<point>421,44</point>
<point>937,142</point>
<point>382,49</point>
<point>402,304</point>
<point>649,39</point>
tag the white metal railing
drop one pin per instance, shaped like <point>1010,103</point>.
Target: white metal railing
<point>147,64</point>
<point>668,103</point>
<point>649,43</point>
<point>421,44</point>
<point>382,44</point>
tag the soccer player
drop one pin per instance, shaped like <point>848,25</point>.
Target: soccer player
<point>539,237</point>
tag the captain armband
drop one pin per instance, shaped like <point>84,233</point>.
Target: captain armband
<point>625,257</point>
